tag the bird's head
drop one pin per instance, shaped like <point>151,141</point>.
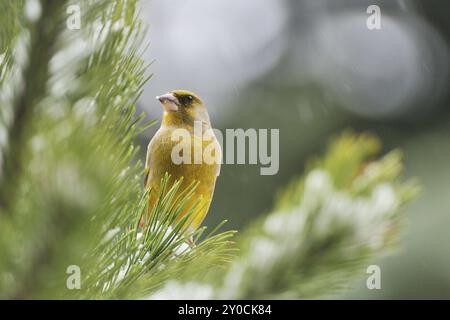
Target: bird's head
<point>183,108</point>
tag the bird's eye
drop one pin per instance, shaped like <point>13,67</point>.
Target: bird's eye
<point>186,100</point>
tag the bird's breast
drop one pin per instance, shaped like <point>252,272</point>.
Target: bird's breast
<point>191,157</point>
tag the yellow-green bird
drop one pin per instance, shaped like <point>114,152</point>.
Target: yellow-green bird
<point>184,147</point>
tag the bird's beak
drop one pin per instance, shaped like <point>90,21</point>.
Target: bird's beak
<point>169,102</point>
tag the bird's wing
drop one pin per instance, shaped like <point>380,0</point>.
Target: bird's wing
<point>147,165</point>
<point>146,172</point>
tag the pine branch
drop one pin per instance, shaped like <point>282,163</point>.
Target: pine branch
<point>10,28</point>
<point>43,35</point>
<point>62,187</point>
<point>135,260</point>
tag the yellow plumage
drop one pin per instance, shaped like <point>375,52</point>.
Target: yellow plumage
<point>183,111</point>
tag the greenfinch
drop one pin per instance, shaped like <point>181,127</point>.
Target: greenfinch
<point>186,148</point>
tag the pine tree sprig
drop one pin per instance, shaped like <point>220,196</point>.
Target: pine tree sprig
<point>151,252</point>
<point>78,178</point>
<point>43,35</point>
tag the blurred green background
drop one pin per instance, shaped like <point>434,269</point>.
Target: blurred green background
<point>313,69</point>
